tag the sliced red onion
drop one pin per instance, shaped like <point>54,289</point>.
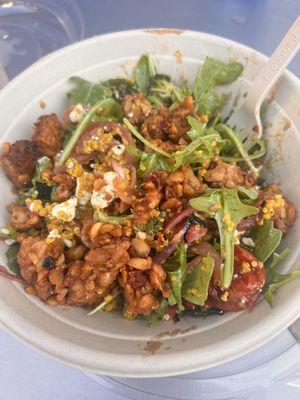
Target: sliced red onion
<point>8,275</point>
<point>65,116</point>
<point>133,176</point>
<point>61,169</point>
<point>91,131</point>
<point>162,255</point>
<point>126,137</point>
<point>118,169</point>
<point>250,222</point>
<point>195,232</point>
<point>179,217</point>
<point>87,134</point>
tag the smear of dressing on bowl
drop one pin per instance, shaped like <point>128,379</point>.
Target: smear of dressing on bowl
<point>165,31</point>
<point>151,348</point>
<point>153,345</point>
<point>174,332</point>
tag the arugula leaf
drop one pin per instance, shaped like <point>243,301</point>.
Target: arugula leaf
<point>110,110</point>
<point>117,220</point>
<point>201,313</point>
<point>41,165</point>
<point>8,232</point>
<point>195,152</point>
<point>225,206</point>
<point>150,162</point>
<point>28,193</point>
<point>201,148</point>
<point>211,74</point>
<point>87,92</point>
<point>195,285</point>
<point>197,128</point>
<point>229,134</point>
<point>277,257</point>
<point>158,313</point>
<point>278,280</point>
<point>153,226</point>
<point>145,141</point>
<point>11,255</point>
<point>165,93</point>
<point>198,150</point>
<point>44,192</point>
<point>267,239</point>
<point>257,151</point>
<point>98,108</point>
<point>104,303</point>
<point>143,73</point>
<point>119,88</point>
<point>214,121</point>
<point>248,193</point>
<point>176,277</point>
<point>156,101</point>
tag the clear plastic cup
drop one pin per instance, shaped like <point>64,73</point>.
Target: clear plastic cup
<point>29,29</point>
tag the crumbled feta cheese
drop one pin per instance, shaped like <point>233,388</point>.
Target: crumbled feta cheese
<point>83,196</point>
<point>53,234</point>
<point>84,187</point>
<point>119,149</point>
<point>68,242</point>
<point>77,113</point>
<point>35,205</point>
<point>57,155</point>
<point>9,242</point>
<point>103,197</point>
<point>4,231</point>
<point>237,235</point>
<point>98,200</point>
<point>65,211</point>
<point>95,137</point>
<point>41,160</point>
<point>141,235</point>
<point>248,241</point>
<point>109,178</point>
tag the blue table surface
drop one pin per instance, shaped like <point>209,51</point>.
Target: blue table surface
<point>24,374</point>
<point>257,23</point>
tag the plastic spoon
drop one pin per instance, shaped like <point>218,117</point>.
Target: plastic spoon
<point>247,118</point>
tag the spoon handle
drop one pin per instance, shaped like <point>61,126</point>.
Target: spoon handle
<point>271,71</point>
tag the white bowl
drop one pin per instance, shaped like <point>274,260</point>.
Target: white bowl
<point>106,343</point>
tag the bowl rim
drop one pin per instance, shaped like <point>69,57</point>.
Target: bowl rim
<point>8,323</point>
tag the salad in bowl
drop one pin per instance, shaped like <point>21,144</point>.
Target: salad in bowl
<point>139,198</point>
